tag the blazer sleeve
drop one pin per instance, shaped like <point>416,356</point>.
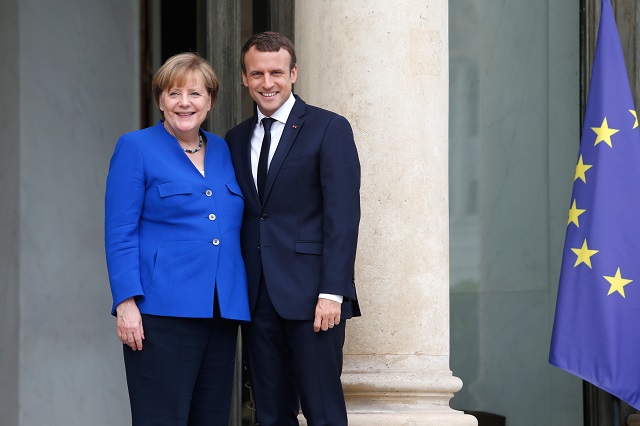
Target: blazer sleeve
<point>124,199</point>
<point>340,182</point>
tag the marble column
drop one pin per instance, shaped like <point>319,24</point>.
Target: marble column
<point>385,67</point>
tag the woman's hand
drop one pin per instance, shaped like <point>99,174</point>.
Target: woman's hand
<point>129,324</point>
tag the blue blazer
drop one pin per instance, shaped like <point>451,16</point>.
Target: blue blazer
<point>303,237</point>
<point>172,236</point>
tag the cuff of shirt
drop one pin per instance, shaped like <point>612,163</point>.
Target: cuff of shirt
<point>334,297</point>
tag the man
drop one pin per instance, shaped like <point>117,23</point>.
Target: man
<point>301,180</point>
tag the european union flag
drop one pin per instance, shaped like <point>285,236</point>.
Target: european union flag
<point>596,333</point>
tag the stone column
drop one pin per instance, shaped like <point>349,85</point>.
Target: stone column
<point>385,67</point>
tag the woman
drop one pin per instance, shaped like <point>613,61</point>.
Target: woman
<point>173,211</point>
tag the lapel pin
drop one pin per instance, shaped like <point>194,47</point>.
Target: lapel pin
<point>294,126</point>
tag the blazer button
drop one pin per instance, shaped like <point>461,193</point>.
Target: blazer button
<point>216,242</point>
<point>208,193</point>
<point>258,247</point>
<point>212,216</point>
<point>263,216</point>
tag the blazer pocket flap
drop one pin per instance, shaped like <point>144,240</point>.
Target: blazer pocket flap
<point>297,161</point>
<point>234,188</point>
<point>309,247</point>
<point>175,188</point>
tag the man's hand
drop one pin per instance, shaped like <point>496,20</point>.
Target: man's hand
<point>327,315</point>
<point>129,324</point>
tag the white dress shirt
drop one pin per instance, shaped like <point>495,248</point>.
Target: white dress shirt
<point>281,116</point>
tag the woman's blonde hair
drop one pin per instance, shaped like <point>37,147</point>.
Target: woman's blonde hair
<point>177,70</point>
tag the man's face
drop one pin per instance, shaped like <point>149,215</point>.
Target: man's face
<point>268,78</point>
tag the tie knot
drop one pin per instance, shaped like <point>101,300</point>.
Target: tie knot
<point>267,122</point>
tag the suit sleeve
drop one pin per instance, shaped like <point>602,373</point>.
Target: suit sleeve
<point>124,199</point>
<point>340,181</point>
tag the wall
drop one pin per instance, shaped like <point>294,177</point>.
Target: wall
<point>9,209</point>
<point>72,71</point>
<point>514,137</point>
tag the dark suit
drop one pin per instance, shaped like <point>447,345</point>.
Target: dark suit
<point>300,242</point>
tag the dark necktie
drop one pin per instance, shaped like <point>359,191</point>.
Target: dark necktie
<point>264,155</point>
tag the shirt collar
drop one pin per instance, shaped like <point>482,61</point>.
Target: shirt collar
<point>282,114</point>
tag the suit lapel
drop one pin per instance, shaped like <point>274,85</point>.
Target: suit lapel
<point>289,134</point>
<point>173,147</point>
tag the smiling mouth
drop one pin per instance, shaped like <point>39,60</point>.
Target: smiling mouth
<point>268,94</point>
<point>184,114</point>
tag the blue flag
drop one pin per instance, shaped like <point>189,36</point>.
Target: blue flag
<point>596,332</point>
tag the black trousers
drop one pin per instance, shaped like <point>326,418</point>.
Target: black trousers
<point>183,376</point>
<point>293,367</point>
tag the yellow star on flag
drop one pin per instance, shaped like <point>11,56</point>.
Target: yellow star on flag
<point>617,283</point>
<point>604,133</point>
<point>581,169</point>
<point>584,254</point>
<point>635,116</point>
<point>574,213</point>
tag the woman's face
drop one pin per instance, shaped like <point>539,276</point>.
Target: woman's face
<point>185,108</point>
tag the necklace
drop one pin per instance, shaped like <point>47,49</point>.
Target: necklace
<point>193,151</point>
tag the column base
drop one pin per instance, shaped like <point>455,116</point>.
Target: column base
<point>401,390</point>
<point>455,418</point>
